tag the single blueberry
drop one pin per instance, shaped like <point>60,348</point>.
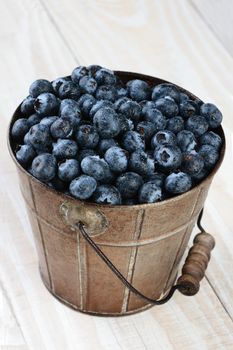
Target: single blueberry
<point>85,153</point>
<point>105,144</point>
<point>132,141</point>
<point>69,90</point>
<point>147,105</point>
<point>183,97</point>
<point>68,170</point>
<point>178,183</point>
<point>78,73</point>
<point>92,69</point>
<point>131,109</point>
<point>39,87</point>
<point>25,154</point>
<point>87,136</point>
<point>95,167</point>
<point>164,137</point>
<point>106,92</point>
<point>197,125</point>
<point>46,104</point>
<point>146,129</point>
<point>165,89</point>
<point>175,124</point>
<point>70,108</point>
<point>187,109</point>
<point>168,157</point>
<point>192,163</point>
<point>83,187</point>
<point>88,84</point>
<point>27,106</point>
<point>141,163</point>
<point>126,124</point>
<point>48,121</point>
<point>121,92</point>
<point>138,90</point>
<point>149,193</point>
<point>19,128</point>
<point>186,141</point>
<point>212,114</point>
<point>39,137</point>
<point>128,184</point>
<point>200,176</point>
<point>154,116</point>
<point>105,76</point>
<point>99,104</point>
<point>44,167</point>
<point>117,159</point>
<point>58,82</point>
<point>167,106</point>
<point>65,148</point>
<point>106,122</point>
<point>209,154</point>
<point>211,138</point>
<point>87,105</point>
<point>107,194</point>
<point>34,119</point>
<point>61,129</point>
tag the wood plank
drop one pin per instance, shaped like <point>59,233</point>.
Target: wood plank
<point>218,15</point>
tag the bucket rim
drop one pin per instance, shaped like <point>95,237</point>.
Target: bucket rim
<point>123,75</point>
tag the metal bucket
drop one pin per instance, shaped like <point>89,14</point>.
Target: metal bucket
<point>146,242</point>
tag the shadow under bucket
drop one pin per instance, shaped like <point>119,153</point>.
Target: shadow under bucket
<point>145,242</point>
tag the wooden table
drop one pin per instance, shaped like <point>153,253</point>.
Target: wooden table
<point>187,42</point>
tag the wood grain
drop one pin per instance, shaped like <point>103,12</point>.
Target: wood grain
<point>161,38</point>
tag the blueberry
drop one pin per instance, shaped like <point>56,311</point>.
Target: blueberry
<point>107,122</point>
<point>69,90</point>
<point>209,154</point>
<point>26,139</point>
<point>106,92</point>
<point>212,114</point>
<point>95,167</point>
<point>197,125</point>
<point>168,157</point>
<point>83,187</point>
<point>121,92</point>
<point>164,137</point>
<point>187,109</point>
<point>70,108</point>
<point>99,104</point>
<point>19,128</point>
<point>93,68</point>
<point>183,97</point>
<point>61,129</point>
<point>34,119</point>
<point>138,90</point>
<point>167,106</point>
<point>132,141</point>
<point>44,167</point>
<point>107,194</point>
<point>39,137</point>
<point>156,178</point>
<point>131,109</point>
<point>87,105</point>
<point>87,136</point>
<point>48,121</point>
<point>117,159</point>
<point>46,104</point>
<point>165,89</point>
<point>120,101</point>
<point>128,184</point>
<point>85,153</point>
<point>105,77</point>
<point>88,85</point>
<point>154,116</point>
<point>27,106</point>
<point>149,193</point>
<point>58,82</point>
<point>68,170</point>
<point>211,138</point>
<point>25,154</point>
<point>178,183</point>
<point>39,87</point>
<point>175,124</point>
<point>147,105</point>
<point>200,176</point>
<point>192,163</point>
<point>186,141</point>
<point>64,148</point>
<point>146,129</point>
<point>105,144</point>
<point>78,73</point>
<point>140,163</point>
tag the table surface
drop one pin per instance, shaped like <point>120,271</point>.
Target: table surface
<point>186,42</point>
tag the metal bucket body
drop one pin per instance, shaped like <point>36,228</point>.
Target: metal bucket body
<point>145,242</point>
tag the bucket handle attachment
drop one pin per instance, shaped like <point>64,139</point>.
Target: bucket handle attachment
<point>192,272</point>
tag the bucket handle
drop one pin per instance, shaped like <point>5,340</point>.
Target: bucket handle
<point>192,272</point>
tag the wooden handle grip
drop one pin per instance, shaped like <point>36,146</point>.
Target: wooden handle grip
<point>195,264</point>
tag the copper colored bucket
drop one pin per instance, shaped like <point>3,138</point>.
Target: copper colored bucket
<point>145,242</point>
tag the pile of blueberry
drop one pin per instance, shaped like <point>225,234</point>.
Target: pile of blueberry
<point>95,138</point>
